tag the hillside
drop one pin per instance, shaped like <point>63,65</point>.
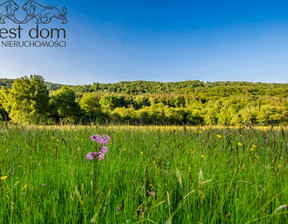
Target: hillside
<point>207,89</point>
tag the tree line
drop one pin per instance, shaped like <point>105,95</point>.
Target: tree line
<point>31,100</point>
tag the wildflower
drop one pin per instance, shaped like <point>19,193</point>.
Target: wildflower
<point>165,184</point>
<point>89,156</point>
<point>53,137</point>
<point>239,144</point>
<point>257,157</point>
<point>23,193</point>
<point>254,146</point>
<point>219,136</point>
<point>118,208</point>
<point>142,153</point>
<point>150,185</point>
<point>25,186</point>
<point>3,178</point>
<point>200,132</point>
<point>124,149</point>
<point>43,185</point>
<point>240,135</point>
<point>202,156</point>
<point>101,156</point>
<point>104,150</point>
<point>252,149</point>
<point>189,168</point>
<point>101,140</point>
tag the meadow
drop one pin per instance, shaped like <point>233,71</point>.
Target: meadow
<point>149,175</point>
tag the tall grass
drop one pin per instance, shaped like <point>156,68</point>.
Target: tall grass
<point>149,175</point>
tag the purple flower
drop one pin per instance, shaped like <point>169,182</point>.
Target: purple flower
<point>23,193</point>
<point>101,140</point>
<point>104,150</point>
<point>118,208</point>
<point>43,185</point>
<point>89,156</point>
<point>101,156</point>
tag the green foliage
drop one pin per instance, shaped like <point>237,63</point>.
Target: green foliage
<point>151,174</point>
<point>63,106</point>
<point>143,102</point>
<point>91,106</point>
<point>27,101</point>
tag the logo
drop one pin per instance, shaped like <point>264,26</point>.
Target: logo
<point>7,10</point>
<point>32,11</point>
<point>35,10</point>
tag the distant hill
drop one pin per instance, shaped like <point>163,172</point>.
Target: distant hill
<point>8,83</point>
<point>204,89</point>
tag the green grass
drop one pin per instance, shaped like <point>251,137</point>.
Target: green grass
<point>160,185</point>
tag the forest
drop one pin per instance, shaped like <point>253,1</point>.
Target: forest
<point>31,100</point>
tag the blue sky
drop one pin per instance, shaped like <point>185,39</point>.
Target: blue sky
<point>111,41</point>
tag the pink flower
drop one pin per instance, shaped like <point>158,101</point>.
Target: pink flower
<point>101,140</point>
<point>89,156</point>
<point>104,150</point>
<point>101,156</point>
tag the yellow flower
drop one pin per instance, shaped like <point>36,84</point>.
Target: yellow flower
<point>240,135</point>
<point>252,149</point>
<point>53,137</point>
<point>202,156</point>
<point>165,184</point>
<point>257,157</point>
<point>3,178</point>
<point>82,139</point>
<point>25,186</point>
<point>150,185</point>
<point>254,146</point>
<point>124,149</point>
<point>142,153</point>
<point>219,136</point>
<point>189,168</point>
<point>239,144</point>
<point>200,132</point>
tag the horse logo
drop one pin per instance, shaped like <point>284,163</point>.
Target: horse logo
<point>35,10</point>
<point>7,10</point>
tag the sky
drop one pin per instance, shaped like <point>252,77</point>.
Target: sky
<point>157,40</point>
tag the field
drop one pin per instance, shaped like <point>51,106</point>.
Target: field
<point>149,175</point>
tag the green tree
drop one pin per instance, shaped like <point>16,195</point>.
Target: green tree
<point>91,106</point>
<point>27,102</point>
<point>63,106</point>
